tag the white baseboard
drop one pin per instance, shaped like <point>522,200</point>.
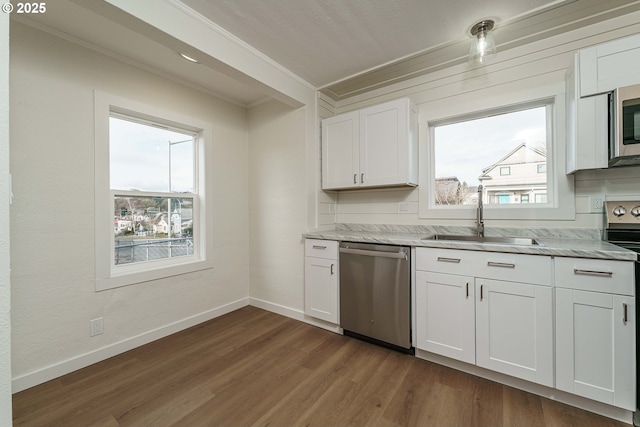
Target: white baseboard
<point>40,376</point>
<point>294,314</point>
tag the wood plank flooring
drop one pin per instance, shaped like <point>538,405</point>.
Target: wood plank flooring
<point>255,368</point>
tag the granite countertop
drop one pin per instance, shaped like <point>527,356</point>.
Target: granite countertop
<point>579,243</point>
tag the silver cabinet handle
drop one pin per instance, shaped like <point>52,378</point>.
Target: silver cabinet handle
<point>444,259</point>
<point>592,273</point>
<point>355,178</point>
<point>319,247</point>
<point>501,264</point>
<point>331,269</point>
<point>625,316</point>
<point>361,178</point>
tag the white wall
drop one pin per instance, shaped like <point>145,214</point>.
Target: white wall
<point>52,218</point>
<point>536,70</point>
<point>278,206</point>
<point>5,294</point>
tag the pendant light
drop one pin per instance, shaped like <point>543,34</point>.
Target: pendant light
<point>483,46</point>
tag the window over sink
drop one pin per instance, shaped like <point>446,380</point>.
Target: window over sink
<point>502,152</point>
<point>510,153</point>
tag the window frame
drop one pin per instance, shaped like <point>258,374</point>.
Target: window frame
<point>561,200</point>
<point>506,170</point>
<point>109,275</point>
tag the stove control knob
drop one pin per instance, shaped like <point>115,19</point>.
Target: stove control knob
<point>635,211</point>
<point>619,211</point>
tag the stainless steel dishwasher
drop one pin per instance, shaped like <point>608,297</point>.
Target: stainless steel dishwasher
<point>375,293</point>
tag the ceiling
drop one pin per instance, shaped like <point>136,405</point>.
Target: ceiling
<point>340,47</point>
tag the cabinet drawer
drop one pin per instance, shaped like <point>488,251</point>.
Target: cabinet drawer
<point>614,277</point>
<point>533,269</point>
<point>449,261</point>
<point>321,248</point>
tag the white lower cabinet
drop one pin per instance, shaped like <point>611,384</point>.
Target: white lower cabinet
<point>446,315</point>
<point>505,326</point>
<point>514,329</point>
<point>595,331</point>
<point>321,280</point>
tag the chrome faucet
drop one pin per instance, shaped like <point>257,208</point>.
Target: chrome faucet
<point>479,219</point>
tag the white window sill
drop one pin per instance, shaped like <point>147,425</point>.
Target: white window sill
<point>153,273</point>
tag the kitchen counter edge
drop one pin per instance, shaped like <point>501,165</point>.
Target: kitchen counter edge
<point>577,248</point>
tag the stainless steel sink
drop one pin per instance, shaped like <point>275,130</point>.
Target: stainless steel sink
<point>486,239</point>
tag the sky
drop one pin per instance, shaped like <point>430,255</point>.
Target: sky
<point>463,149</point>
<point>139,158</point>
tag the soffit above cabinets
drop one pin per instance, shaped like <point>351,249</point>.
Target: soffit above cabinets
<point>342,48</point>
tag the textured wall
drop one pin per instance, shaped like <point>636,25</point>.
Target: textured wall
<point>5,300</point>
<point>277,194</point>
<point>52,226</point>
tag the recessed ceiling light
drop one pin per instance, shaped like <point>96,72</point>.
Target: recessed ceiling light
<point>188,58</point>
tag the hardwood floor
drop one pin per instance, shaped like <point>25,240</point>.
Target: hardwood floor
<point>255,368</point>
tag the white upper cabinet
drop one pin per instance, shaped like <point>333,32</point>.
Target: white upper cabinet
<point>610,65</point>
<point>341,150</point>
<point>594,73</point>
<point>373,147</point>
<point>587,125</point>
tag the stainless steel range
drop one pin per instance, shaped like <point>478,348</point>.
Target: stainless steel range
<point>623,229</point>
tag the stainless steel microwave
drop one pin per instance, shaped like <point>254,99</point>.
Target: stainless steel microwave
<point>624,126</point>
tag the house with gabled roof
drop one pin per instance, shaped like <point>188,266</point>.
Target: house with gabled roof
<point>518,177</point>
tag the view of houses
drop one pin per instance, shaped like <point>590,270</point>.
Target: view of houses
<point>149,228</point>
<point>519,177</point>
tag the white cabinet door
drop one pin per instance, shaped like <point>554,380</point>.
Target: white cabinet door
<point>587,125</point>
<point>373,147</point>
<point>514,329</point>
<point>384,135</point>
<point>595,347</point>
<point>610,65</point>
<point>341,151</point>
<point>445,315</point>
<point>321,289</point>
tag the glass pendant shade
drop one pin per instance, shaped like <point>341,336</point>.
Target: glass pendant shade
<point>483,46</point>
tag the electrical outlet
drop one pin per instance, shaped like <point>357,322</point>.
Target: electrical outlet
<point>403,206</point>
<point>597,203</point>
<point>97,326</point>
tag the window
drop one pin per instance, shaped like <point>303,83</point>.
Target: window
<point>151,204</point>
<point>148,164</point>
<point>501,152</point>
<point>541,198</point>
<point>465,146</point>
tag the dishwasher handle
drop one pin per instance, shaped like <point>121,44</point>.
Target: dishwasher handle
<point>380,254</point>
